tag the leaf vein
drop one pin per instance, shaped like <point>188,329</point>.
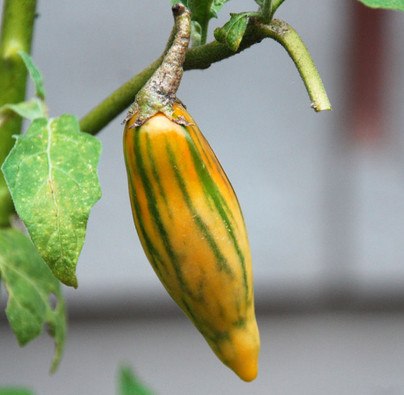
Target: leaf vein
<point>50,176</point>
<point>27,279</point>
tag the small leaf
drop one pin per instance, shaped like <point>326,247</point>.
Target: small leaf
<point>29,284</point>
<point>35,75</point>
<point>28,109</point>
<point>196,34</point>
<point>216,7</point>
<point>130,385</point>
<point>260,2</point>
<point>233,31</point>
<point>389,4</point>
<point>51,173</point>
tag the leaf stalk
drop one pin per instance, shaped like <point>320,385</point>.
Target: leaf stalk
<point>159,93</point>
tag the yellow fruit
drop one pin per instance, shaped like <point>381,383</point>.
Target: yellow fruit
<point>192,230</point>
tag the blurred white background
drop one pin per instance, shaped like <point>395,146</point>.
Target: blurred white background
<point>324,209</point>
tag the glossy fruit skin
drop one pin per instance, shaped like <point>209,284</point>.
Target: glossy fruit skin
<point>192,230</point>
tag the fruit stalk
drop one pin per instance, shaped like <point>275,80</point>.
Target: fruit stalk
<point>159,93</point>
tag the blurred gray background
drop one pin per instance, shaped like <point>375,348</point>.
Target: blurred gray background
<point>322,195</point>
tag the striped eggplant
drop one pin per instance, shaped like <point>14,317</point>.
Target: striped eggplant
<point>192,230</point>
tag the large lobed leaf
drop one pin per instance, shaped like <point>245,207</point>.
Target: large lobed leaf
<point>52,176</point>
<point>34,294</point>
<point>389,4</point>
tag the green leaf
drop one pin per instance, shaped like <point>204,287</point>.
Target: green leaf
<point>233,31</point>
<point>389,4</point>
<point>51,173</point>
<point>216,7</point>
<point>28,109</point>
<point>14,391</point>
<point>35,75</point>
<point>129,384</point>
<point>31,286</point>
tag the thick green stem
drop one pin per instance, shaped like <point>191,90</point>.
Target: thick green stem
<point>117,101</point>
<point>291,41</point>
<point>203,57</point>
<point>122,98</point>
<point>16,35</point>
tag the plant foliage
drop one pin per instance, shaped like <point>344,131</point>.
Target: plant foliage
<point>388,4</point>
<point>51,173</point>
<point>34,294</point>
